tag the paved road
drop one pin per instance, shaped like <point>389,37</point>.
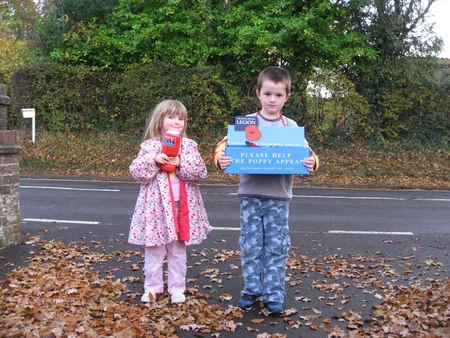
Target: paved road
<point>328,226</point>
<point>313,210</point>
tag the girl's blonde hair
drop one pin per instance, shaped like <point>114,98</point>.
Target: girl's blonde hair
<point>166,107</point>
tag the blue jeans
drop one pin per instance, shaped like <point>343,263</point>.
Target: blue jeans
<point>264,242</point>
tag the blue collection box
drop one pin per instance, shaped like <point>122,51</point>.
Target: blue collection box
<point>266,150</point>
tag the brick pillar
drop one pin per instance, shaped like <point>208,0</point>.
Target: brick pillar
<point>9,177</point>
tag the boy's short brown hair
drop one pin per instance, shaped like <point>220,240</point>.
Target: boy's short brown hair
<point>277,75</point>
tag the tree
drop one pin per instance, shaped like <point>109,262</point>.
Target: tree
<point>61,17</point>
<point>134,31</point>
<point>17,32</point>
<point>299,35</point>
<point>243,36</point>
<point>20,17</point>
<point>404,43</point>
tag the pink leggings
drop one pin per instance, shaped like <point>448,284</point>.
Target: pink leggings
<point>176,268</point>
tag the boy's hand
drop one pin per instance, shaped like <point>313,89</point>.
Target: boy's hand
<point>224,161</point>
<point>310,162</point>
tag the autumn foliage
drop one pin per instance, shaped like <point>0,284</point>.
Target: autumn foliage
<point>61,294</point>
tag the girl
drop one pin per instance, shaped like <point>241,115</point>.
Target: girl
<point>169,212</point>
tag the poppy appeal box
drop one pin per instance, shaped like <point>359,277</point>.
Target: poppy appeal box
<point>265,150</point>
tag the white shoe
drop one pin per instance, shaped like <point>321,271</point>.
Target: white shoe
<point>178,298</point>
<point>146,297</point>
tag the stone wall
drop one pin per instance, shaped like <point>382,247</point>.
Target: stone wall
<point>9,177</point>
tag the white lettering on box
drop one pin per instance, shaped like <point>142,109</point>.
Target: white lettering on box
<point>281,155</point>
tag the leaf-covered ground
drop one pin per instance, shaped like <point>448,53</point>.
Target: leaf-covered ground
<point>87,288</point>
<point>54,297</point>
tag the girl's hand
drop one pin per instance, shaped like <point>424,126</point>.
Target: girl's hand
<point>174,161</point>
<point>224,161</point>
<point>310,162</point>
<point>162,159</point>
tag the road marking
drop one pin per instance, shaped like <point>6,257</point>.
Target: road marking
<point>397,233</point>
<point>433,199</point>
<point>369,198</point>
<point>64,188</point>
<point>371,232</point>
<point>376,198</point>
<point>225,228</point>
<point>347,197</point>
<point>340,232</point>
<point>43,220</point>
<point>234,194</point>
<point>353,198</point>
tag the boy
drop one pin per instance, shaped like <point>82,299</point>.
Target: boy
<point>264,205</point>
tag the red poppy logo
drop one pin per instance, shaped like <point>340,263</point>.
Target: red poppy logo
<point>252,133</point>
